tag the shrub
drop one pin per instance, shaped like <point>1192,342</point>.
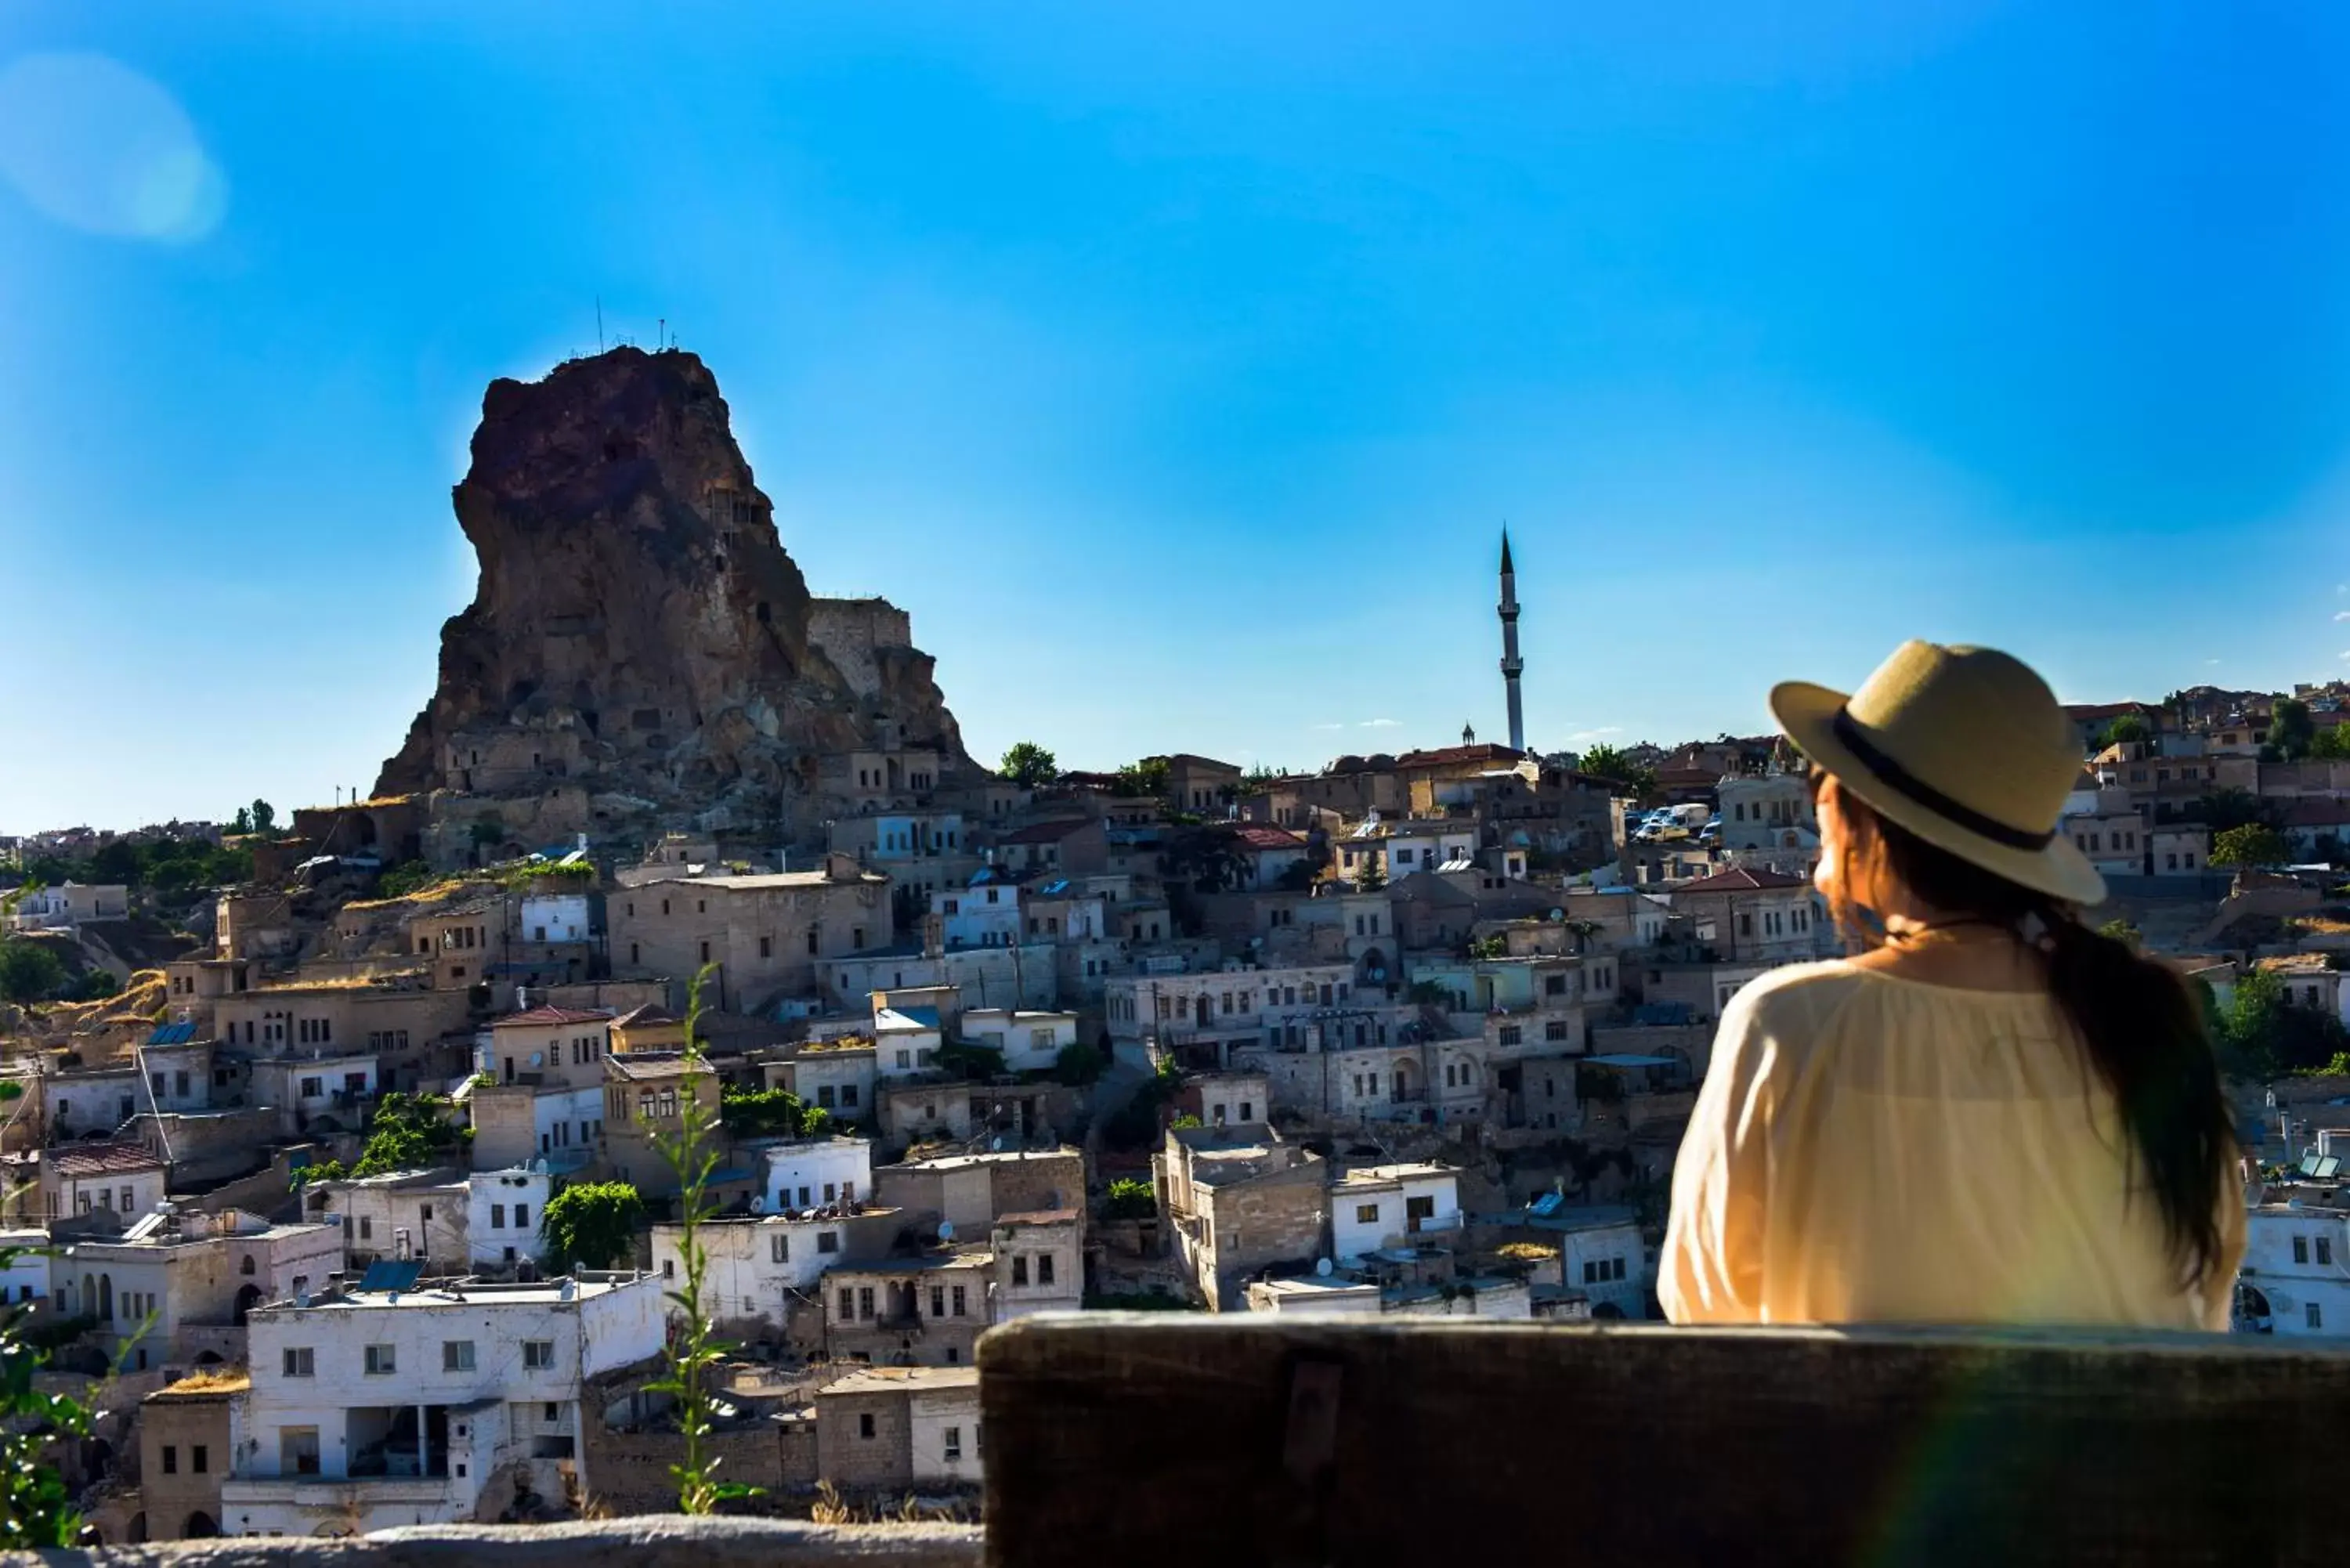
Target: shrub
<point>1131,1198</point>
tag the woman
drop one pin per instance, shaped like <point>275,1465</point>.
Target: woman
<point>1993,1114</point>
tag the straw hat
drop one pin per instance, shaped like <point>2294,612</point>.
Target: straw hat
<point>1965,747</point>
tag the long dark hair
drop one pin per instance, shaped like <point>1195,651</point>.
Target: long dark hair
<point>2138,1025</point>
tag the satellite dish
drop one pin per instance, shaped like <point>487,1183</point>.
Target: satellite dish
<point>537,1058</point>
<point>758,1205</point>
<point>946,1229</point>
<point>1322,1267</point>
<point>1558,914</point>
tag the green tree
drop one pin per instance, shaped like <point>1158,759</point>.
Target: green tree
<point>264,816</point>
<point>2290,728</point>
<point>1144,780</point>
<point>694,1349</point>
<point>1605,762</point>
<point>1372,875</point>
<point>407,1132</point>
<point>2253,845</point>
<point>1211,859</point>
<point>1078,1064</point>
<point>29,971</point>
<point>1029,765</point>
<point>2234,807</point>
<point>2127,729</point>
<point>243,820</point>
<point>488,834</point>
<point>768,1113</point>
<point>590,1226</point>
<point>2123,932</point>
<point>1132,1198</point>
<point>2332,743</point>
<point>35,1509</point>
<point>95,985</point>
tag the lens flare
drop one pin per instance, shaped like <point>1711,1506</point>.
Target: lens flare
<point>96,146</point>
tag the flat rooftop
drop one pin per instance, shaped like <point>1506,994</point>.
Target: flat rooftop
<point>903,1379</point>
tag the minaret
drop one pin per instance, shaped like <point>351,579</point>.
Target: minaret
<point>1512,665</point>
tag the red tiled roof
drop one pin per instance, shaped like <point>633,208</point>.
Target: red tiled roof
<point>1445,756</point>
<point>1258,836</point>
<point>101,1160</point>
<point>1740,880</point>
<point>550,1016</point>
<point>1047,832</point>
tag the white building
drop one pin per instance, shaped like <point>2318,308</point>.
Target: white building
<point>906,1041</point>
<point>986,914</point>
<point>504,1211</point>
<point>80,1178</point>
<point>69,905</point>
<point>1404,848</point>
<point>1039,1264</point>
<point>1376,1206</point>
<point>2296,1277</point>
<point>374,1409</point>
<point>450,1223</point>
<point>176,1286</point>
<point>25,1276</point>
<point>750,1263</point>
<point>1767,811</point>
<point>556,918</point>
<point>1030,1041</point>
<point>814,1173</point>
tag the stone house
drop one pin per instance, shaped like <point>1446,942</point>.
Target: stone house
<point>183,1454</point>
<point>755,1264</point>
<point>1039,1263</point>
<point>1071,845</point>
<point>884,1430</point>
<point>764,933</point>
<point>1201,784</point>
<point>1237,1202</point>
<point>970,1192</point>
<point>645,1096</point>
<point>839,1075</point>
<point>923,1311</point>
<point>1377,1206</point>
<point>177,1288</point>
<point>1756,916</point>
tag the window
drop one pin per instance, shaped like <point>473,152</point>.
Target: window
<point>301,1361</point>
<point>847,1304</point>
<point>200,1459</point>
<point>537,1355</point>
<point>522,1215</point>
<point>2325,1252</point>
<point>497,1216</point>
<point>2316,1318</point>
<point>246,1266</point>
<point>954,1443</point>
<point>1043,1268</point>
<point>1019,1271</point>
<point>1555,1030</point>
<point>2301,1249</point>
<point>1366,1213</point>
<point>1509,1034</point>
<point>865,1301</point>
<point>456,1356</point>
<point>1248,1110</point>
<point>380,1361</point>
<point>668,1268</point>
<point>828,1241</point>
<point>767,946</point>
<point>170,1460</point>
<point>865,1424</point>
<point>366,1228</point>
<point>958,1301</point>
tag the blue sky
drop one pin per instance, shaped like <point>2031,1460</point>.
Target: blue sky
<point>1176,366</point>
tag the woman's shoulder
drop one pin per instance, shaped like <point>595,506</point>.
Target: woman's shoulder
<point>1796,997</point>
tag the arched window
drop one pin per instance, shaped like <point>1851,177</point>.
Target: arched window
<point>245,1267</point>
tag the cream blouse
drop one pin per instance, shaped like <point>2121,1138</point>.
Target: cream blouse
<point>1872,1148</point>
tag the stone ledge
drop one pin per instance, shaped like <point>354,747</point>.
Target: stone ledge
<point>652,1541</point>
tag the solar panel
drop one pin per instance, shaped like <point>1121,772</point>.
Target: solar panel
<point>391,1274</point>
<point>2328,1165</point>
<point>2309,1164</point>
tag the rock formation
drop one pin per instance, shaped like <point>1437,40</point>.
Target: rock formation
<point>640,649</point>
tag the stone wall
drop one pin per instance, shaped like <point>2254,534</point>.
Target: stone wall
<point>854,633</point>
<point>668,1541</point>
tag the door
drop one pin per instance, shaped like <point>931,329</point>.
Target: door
<point>298,1450</point>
